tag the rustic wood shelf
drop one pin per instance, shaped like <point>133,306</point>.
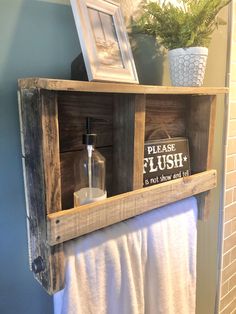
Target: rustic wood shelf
<point>52,116</point>
<point>69,224</point>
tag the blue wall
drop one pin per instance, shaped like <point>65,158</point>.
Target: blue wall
<point>36,39</point>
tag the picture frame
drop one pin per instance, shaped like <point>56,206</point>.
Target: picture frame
<point>104,42</point>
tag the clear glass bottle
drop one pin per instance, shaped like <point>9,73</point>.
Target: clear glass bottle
<point>89,172</point>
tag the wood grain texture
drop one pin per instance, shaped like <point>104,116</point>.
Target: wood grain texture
<point>66,225</point>
<point>52,114</point>
<point>73,108</point>
<point>211,132</point>
<point>200,124</point>
<point>42,181</point>
<point>200,128</point>
<point>139,137</point>
<point>67,175</point>
<point>165,116</point>
<point>128,139</point>
<point>50,151</point>
<point>98,87</point>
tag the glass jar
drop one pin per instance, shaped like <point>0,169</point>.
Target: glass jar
<point>89,173</point>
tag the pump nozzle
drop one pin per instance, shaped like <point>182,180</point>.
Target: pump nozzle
<point>89,138</point>
<point>88,125</point>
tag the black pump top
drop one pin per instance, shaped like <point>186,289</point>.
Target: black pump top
<point>89,138</point>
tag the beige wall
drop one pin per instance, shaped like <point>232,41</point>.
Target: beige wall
<point>228,266</point>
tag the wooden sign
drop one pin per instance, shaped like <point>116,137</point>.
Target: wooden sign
<point>165,160</point>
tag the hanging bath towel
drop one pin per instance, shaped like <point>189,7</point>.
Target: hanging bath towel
<point>144,265</point>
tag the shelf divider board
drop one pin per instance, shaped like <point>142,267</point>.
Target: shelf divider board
<point>128,139</point>
<point>66,225</point>
<point>40,148</point>
<point>200,131</point>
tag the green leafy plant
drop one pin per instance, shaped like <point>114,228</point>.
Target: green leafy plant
<point>190,23</point>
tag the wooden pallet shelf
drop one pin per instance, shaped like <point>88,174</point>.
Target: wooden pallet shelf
<point>52,116</point>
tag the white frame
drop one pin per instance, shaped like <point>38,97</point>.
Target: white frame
<point>96,70</point>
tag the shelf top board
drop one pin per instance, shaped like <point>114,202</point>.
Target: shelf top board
<point>102,87</point>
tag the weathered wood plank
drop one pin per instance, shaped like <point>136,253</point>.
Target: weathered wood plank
<point>128,139</point>
<point>73,108</point>
<point>69,224</point>
<point>200,117</point>
<point>38,113</point>
<point>200,127</point>
<point>99,87</point>
<point>165,116</point>
<point>139,137</point>
<point>50,151</point>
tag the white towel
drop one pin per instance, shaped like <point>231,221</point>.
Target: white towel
<point>144,265</point>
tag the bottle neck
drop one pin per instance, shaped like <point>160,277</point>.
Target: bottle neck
<point>90,149</point>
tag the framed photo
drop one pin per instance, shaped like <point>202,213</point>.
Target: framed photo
<point>104,41</point>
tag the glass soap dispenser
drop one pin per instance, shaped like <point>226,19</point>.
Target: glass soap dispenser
<point>89,171</point>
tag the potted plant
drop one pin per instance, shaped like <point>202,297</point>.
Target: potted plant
<point>185,30</point>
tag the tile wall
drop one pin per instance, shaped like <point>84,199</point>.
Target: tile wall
<point>228,267</point>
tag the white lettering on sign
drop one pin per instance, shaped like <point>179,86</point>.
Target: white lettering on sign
<point>159,149</point>
<point>163,162</point>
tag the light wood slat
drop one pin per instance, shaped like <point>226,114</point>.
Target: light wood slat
<point>51,170</point>
<point>99,87</point>
<point>66,225</point>
<point>211,131</point>
<point>139,137</point>
<point>50,150</point>
<point>54,259</point>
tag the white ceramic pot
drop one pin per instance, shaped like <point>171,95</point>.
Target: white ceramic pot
<point>187,66</point>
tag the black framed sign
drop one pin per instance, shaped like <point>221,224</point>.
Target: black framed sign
<point>165,160</point>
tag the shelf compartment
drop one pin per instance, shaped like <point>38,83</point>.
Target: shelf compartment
<point>68,224</point>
